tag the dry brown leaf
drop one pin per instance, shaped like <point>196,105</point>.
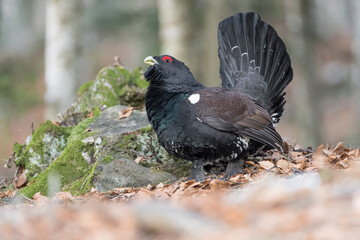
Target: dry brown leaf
<point>266,164</point>
<point>284,165</point>
<point>139,159</point>
<point>251,163</point>
<point>160,185</point>
<point>56,123</point>
<point>301,165</point>
<point>216,184</point>
<point>63,197</point>
<point>319,159</point>
<point>40,199</point>
<point>248,177</point>
<point>328,152</point>
<point>295,154</point>
<point>236,178</point>
<point>339,147</point>
<point>300,159</point>
<point>20,178</point>
<point>185,185</point>
<point>126,112</point>
<point>91,114</point>
<point>276,156</point>
<point>129,195</point>
<point>354,154</point>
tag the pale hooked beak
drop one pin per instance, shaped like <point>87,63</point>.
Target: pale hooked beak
<point>150,60</point>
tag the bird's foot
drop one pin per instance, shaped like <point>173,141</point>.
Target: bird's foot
<point>197,172</point>
<point>233,168</point>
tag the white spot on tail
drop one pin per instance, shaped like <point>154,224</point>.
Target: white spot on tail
<point>194,98</point>
<point>234,47</point>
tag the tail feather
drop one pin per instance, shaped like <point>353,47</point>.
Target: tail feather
<point>254,60</point>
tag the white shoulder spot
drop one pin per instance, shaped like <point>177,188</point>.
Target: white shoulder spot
<point>194,98</point>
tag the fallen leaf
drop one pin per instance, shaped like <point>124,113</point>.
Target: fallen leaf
<point>20,178</point>
<point>40,199</point>
<point>139,159</point>
<point>319,159</point>
<point>216,184</point>
<point>91,114</point>
<point>126,112</point>
<point>276,156</point>
<point>129,195</point>
<point>56,123</point>
<point>266,164</point>
<point>339,147</point>
<point>160,185</point>
<point>185,185</point>
<point>300,159</point>
<point>248,177</point>
<point>284,165</point>
<point>63,197</point>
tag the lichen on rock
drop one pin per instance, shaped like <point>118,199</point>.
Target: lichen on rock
<point>70,165</point>
<point>47,143</point>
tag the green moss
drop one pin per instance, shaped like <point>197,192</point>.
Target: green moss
<point>144,143</point>
<point>108,159</point>
<point>70,165</point>
<point>96,111</point>
<point>18,148</point>
<point>46,143</point>
<point>85,87</point>
<point>114,85</point>
<point>84,184</point>
<point>138,79</point>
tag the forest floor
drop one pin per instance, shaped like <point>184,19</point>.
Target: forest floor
<point>301,194</point>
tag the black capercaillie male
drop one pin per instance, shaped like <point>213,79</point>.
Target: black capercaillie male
<point>197,123</point>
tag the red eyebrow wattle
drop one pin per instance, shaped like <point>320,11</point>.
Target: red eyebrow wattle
<point>167,58</point>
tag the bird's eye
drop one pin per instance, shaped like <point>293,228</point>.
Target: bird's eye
<point>167,59</point>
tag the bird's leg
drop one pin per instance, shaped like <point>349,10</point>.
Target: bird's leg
<point>234,167</point>
<point>197,171</point>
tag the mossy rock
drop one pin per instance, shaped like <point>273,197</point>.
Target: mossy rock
<point>114,85</point>
<point>47,143</point>
<point>144,143</point>
<point>92,138</point>
<point>131,138</point>
<point>70,166</point>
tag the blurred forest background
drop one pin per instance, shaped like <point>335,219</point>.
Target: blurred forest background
<point>48,48</point>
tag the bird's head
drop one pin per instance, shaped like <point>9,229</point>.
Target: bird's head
<point>170,73</point>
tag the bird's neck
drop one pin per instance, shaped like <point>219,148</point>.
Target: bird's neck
<point>162,105</point>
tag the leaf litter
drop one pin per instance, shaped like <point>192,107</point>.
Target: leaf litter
<point>299,194</point>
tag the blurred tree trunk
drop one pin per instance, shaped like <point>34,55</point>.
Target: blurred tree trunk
<point>209,63</point>
<point>17,26</point>
<point>355,70</point>
<point>174,27</point>
<point>302,37</point>
<point>311,75</point>
<point>61,50</point>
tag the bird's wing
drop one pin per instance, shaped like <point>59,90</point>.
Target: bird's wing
<point>232,111</point>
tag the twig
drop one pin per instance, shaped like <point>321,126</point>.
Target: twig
<point>29,199</point>
<point>87,178</point>
<point>32,128</point>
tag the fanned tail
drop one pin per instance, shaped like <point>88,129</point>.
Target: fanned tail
<point>254,60</point>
